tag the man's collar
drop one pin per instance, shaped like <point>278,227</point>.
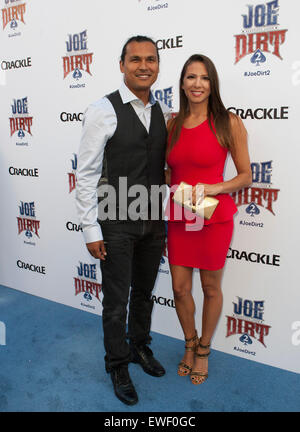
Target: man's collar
<point>128,96</point>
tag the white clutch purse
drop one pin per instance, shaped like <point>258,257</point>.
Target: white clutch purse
<point>203,207</point>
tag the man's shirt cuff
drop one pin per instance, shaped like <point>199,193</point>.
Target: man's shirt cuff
<point>92,234</point>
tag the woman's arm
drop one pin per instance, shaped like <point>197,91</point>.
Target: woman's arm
<point>168,176</point>
<point>240,157</point>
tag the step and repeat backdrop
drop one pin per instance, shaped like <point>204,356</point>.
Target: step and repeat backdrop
<point>58,57</point>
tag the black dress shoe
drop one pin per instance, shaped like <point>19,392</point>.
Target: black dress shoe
<point>124,389</point>
<point>143,355</point>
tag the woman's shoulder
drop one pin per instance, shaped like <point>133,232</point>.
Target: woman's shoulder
<point>238,132</point>
<point>235,121</point>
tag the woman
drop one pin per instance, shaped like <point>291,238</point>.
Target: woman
<point>200,137</point>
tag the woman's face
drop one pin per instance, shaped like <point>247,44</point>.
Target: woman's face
<point>196,83</point>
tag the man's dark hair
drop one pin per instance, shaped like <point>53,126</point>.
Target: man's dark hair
<point>138,39</point>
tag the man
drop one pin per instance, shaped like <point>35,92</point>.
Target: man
<point>123,145</point>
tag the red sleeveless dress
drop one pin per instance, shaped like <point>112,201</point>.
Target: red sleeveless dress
<point>197,157</point>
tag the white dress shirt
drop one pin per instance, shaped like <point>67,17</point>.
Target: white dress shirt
<point>99,125</point>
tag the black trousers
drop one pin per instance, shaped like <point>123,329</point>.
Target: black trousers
<point>134,250</point>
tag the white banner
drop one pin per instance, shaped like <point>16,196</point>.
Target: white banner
<point>58,57</point>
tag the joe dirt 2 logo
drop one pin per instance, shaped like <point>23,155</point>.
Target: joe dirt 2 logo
<point>20,121</point>
<point>27,222</point>
<point>13,16</point>
<point>85,283</point>
<point>72,175</point>
<point>260,36</point>
<point>261,196</point>
<point>77,60</point>
<point>246,323</point>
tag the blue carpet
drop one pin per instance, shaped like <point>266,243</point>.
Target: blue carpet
<point>53,362</point>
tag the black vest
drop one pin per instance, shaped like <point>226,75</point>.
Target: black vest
<point>133,158</point>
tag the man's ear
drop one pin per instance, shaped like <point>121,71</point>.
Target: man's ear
<point>121,66</point>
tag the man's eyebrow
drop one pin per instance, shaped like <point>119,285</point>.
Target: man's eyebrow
<point>133,57</point>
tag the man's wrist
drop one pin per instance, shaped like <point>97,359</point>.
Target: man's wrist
<point>92,234</point>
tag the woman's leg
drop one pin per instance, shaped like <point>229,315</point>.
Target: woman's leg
<point>212,307</point>
<point>212,303</point>
<point>185,308</point>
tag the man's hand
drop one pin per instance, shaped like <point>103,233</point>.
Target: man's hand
<point>97,249</point>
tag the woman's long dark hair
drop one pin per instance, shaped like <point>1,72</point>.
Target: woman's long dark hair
<point>216,110</point>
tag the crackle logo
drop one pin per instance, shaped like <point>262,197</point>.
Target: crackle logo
<point>274,113</point>
<point>20,122</point>
<point>72,175</point>
<point>246,323</point>
<point>260,35</point>
<point>13,16</point>
<point>27,222</point>
<point>170,43</point>
<point>163,301</point>
<point>261,195</point>
<point>165,96</point>
<point>85,284</point>
<point>77,60</point>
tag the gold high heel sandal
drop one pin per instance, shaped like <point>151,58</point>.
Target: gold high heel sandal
<point>198,377</point>
<point>183,368</point>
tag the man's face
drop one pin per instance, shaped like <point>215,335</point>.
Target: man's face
<point>140,67</point>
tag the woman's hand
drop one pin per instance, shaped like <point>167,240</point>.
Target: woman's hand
<point>201,190</point>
